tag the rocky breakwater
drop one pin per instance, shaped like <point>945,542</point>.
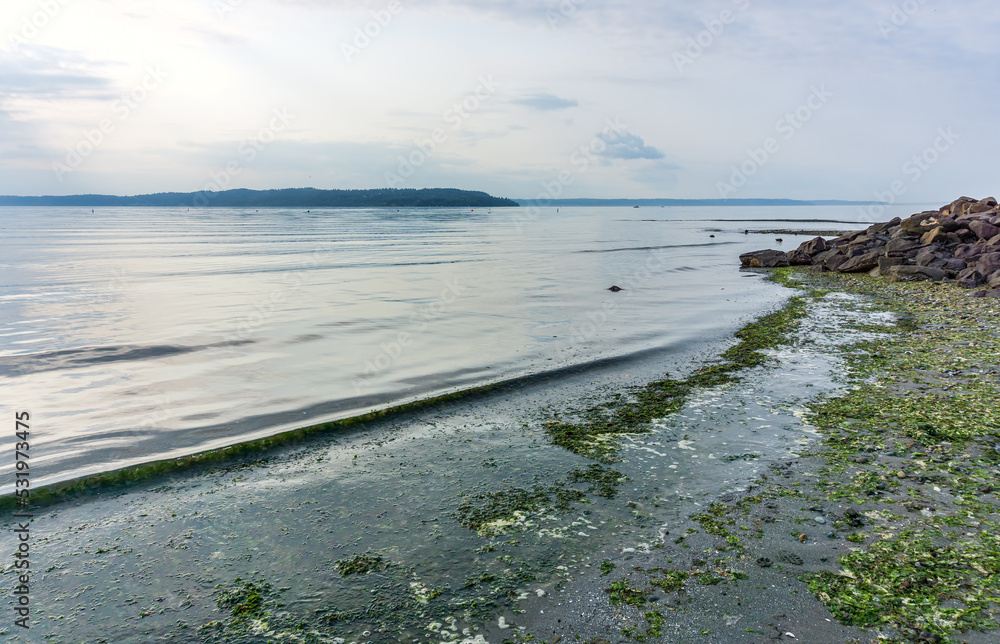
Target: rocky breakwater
<point>958,243</point>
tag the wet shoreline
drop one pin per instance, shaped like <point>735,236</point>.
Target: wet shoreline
<point>685,536</point>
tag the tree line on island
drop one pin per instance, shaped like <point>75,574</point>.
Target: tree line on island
<point>284,198</point>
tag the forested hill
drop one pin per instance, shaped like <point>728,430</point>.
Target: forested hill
<point>287,198</point>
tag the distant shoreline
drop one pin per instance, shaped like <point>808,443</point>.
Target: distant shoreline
<point>285,198</point>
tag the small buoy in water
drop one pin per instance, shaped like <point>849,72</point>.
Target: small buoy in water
<point>712,236</point>
<point>615,289</point>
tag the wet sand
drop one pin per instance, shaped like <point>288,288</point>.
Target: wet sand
<point>363,537</point>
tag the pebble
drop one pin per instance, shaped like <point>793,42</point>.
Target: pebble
<point>900,474</point>
<point>861,460</point>
<point>831,535</point>
<point>820,520</point>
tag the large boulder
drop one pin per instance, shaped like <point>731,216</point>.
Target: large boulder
<point>814,246</point>
<point>861,263</point>
<point>970,278</point>
<point>960,206</point>
<point>983,205</point>
<point>799,257</point>
<point>903,246</point>
<point>932,256</point>
<point>969,251</point>
<point>885,262</point>
<point>938,234</point>
<point>830,259</point>
<point>883,228</point>
<point>764,259</point>
<point>922,222</point>
<point>915,274</point>
<point>993,281</point>
<point>988,263</point>
<point>983,229</point>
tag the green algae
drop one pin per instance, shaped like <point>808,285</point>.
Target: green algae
<point>654,627</point>
<point>360,565</point>
<point>122,479</point>
<point>919,410</point>
<point>669,580</point>
<point>594,435</point>
<point>918,581</point>
<point>620,593</point>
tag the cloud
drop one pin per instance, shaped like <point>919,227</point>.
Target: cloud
<point>625,145</point>
<point>38,71</point>
<point>546,102</point>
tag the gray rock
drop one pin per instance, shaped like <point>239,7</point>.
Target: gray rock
<point>861,263</point>
<point>764,259</point>
<point>984,230</point>
<point>814,246</point>
<point>799,257</point>
<point>820,520</point>
<point>902,246</point>
<point>915,274</point>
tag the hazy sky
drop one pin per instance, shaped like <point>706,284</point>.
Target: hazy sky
<point>581,98</point>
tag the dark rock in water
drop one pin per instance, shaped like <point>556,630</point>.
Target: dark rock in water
<point>860,264</point>
<point>814,246</point>
<point>799,257</point>
<point>615,289</point>
<point>764,259</point>
<point>915,274</point>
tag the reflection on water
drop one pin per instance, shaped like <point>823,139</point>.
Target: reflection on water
<point>135,334</point>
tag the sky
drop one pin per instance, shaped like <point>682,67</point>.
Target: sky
<point>895,102</point>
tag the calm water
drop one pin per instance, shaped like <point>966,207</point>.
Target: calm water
<point>138,334</point>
